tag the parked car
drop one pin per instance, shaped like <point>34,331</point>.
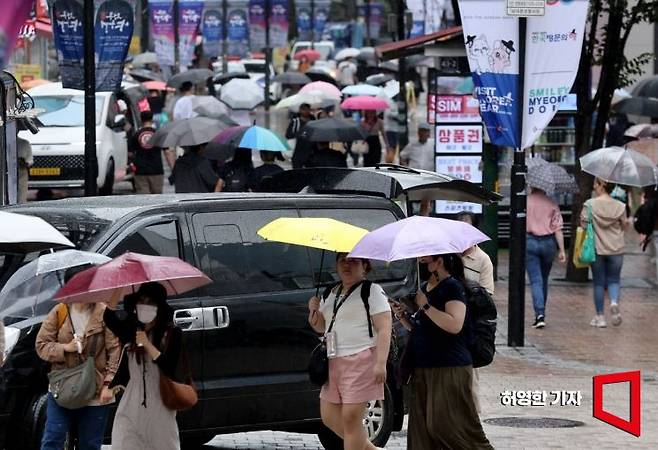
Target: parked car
<point>58,147</point>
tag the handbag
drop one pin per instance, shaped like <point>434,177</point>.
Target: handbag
<point>178,396</point>
<point>588,252</point>
<point>578,249</point>
<point>359,147</point>
<point>75,387</point>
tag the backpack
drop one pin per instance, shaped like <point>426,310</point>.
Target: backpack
<point>483,316</point>
<point>365,294</point>
<point>644,220</point>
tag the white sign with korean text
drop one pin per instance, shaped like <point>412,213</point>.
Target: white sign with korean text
<point>463,167</point>
<point>450,207</point>
<point>525,8</point>
<point>458,139</point>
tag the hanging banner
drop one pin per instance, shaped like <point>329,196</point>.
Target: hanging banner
<point>211,28</point>
<point>238,28</point>
<point>14,14</point>
<point>417,8</point>
<point>257,24</point>
<point>376,17</point>
<point>303,16</point>
<point>321,16</point>
<point>161,13</point>
<point>491,39</point>
<point>279,24</point>
<point>189,18</point>
<point>67,16</point>
<point>435,11</point>
<point>553,45</point>
<point>112,34</point>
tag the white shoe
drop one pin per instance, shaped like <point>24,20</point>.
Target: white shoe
<point>616,315</point>
<point>598,322</point>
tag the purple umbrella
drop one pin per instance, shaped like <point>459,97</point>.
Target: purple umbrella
<point>417,236</point>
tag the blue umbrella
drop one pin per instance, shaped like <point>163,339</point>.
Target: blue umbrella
<point>254,137</point>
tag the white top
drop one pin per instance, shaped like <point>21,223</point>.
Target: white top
<point>346,72</point>
<point>420,156</point>
<point>184,108</point>
<point>80,319</point>
<point>351,326</point>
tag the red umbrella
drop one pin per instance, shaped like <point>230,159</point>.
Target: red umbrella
<point>157,86</point>
<point>310,54</point>
<point>124,274</point>
<point>364,102</point>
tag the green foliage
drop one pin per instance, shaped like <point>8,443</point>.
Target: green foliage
<point>634,68</point>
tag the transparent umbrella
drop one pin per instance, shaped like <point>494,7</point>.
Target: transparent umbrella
<point>620,165</point>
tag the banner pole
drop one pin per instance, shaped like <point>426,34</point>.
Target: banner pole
<point>516,295</point>
<point>268,61</point>
<point>176,38</point>
<point>224,36</point>
<point>91,160</point>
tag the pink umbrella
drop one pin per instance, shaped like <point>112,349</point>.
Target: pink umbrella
<point>363,102</point>
<point>310,54</point>
<point>327,89</point>
<point>157,86</point>
<point>124,274</point>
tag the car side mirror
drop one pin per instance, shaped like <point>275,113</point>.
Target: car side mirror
<point>119,122</point>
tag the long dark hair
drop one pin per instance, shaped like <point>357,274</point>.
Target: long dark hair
<point>165,316</point>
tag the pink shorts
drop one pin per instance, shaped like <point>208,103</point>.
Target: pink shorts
<point>351,379</point>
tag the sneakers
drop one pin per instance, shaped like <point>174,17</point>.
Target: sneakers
<point>616,315</point>
<point>539,321</point>
<point>598,321</point>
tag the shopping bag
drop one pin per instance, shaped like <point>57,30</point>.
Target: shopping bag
<point>578,249</point>
<point>588,252</point>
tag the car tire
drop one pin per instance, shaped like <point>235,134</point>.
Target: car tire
<point>194,442</point>
<point>108,184</point>
<point>378,419</point>
<point>34,423</point>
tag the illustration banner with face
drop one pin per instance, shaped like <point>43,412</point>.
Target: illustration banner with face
<point>161,13</point>
<point>238,28</point>
<point>189,19</point>
<point>211,26</point>
<point>112,34</point>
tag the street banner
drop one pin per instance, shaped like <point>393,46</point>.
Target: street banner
<point>553,45</point>
<point>435,12</point>
<point>257,24</point>
<point>67,17</point>
<point>189,19</point>
<point>303,16</point>
<point>279,24</point>
<point>321,17</point>
<point>458,139</point>
<point>417,8</point>
<point>376,18</point>
<point>211,28</point>
<point>14,14</point>
<point>463,167</point>
<point>161,13</point>
<point>238,28</point>
<point>113,31</point>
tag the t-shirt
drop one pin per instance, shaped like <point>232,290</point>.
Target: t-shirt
<point>420,156</point>
<point>260,173</point>
<point>236,177</point>
<point>431,346</point>
<point>351,324</point>
<point>193,174</point>
<point>184,108</point>
<point>543,216</point>
<point>346,73</point>
<point>148,159</point>
<point>479,268</point>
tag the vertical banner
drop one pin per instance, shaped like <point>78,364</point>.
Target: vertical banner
<point>321,16</point>
<point>211,28</point>
<point>303,16</point>
<point>417,8</point>
<point>189,18</point>
<point>238,28</point>
<point>67,17</point>
<point>491,39</point>
<point>257,24</point>
<point>553,46</point>
<point>14,14</point>
<point>279,23</point>
<point>376,17</point>
<point>112,34</point>
<point>434,15</point>
<point>161,13</point>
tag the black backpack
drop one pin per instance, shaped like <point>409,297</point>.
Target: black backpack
<point>483,316</point>
<point>644,220</point>
<point>365,294</point>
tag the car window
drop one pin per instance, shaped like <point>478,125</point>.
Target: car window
<point>159,239</point>
<point>369,219</point>
<point>240,262</point>
<point>65,110</point>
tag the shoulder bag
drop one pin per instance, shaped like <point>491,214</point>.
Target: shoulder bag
<point>178,396</point>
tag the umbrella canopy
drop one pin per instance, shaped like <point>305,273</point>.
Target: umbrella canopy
<point>620,165</point>
<point>648,147</point>
<point>145,75</point>
<point>310,54</point>
<point>185,132</point>
<point>315,99</point>
<point>242,94</point>
<point>315,232</point>
<point>392,88</point>
<point>418,236</point>
<point>145,58</point>
<point>253,137</point>
<point>390,66</point>
<point>647,87</point>
<point>347,53</point>
<point>327,89</point>
<point>224,78</point>
<point>333,130</point>
<point>549,177</point>
<point>365,103</point>
<point>639,106</point>
<point>362,89</point>
<point>194,76</point>
<point>209,106</point>
<point>642,131</point>
<point>157,86</point>
<point>294,78</point>
<point>21,233</point>
<point>367,54</point>
<point>124,274</point>
<point>379,79</point>
<point>319,74</point>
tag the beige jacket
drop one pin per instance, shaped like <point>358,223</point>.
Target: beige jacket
<point>609,218</point>
<point>52,338</point>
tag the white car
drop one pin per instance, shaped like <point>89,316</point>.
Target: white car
<point>327,50</point>
<point>58,148</point>
<point>256,70</point>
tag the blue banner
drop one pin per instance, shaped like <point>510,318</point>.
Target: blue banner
<point>498,95</point>
<point>112,34</point>
<point>257,24</point>
<point>67,16</point>
<point>189,19</point>
<point>238,30</point>
<point>161,13</point>
<point>211,26</point>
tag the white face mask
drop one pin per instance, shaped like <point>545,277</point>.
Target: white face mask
<point>146,313</point>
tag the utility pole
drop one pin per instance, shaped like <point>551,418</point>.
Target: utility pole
<point>145,26</point>
<point>312,23</point>
<point>516,300</point>
<point>268,61</point>
<point>176,39</point>
<point>91,161</point>
<point>224,36</point>
<point>402,78</point>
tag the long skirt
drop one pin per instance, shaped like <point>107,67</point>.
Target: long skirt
<point>442,414</point>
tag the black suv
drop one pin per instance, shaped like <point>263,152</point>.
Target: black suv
<point>246,333</point>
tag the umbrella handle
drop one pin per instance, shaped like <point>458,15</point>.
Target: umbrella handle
<point>317,285</point>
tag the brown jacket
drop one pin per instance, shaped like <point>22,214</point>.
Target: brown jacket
<point>52,338</point>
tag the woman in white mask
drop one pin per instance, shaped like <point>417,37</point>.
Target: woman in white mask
<point>151,346</point>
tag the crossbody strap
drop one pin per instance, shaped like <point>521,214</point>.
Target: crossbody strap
<point>338,304</point>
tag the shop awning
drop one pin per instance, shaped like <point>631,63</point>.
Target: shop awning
<point>414,46</point>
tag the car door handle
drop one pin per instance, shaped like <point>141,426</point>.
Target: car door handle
<point>189,319</point>
<point>216,317</point>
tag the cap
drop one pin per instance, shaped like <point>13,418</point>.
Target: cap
<point>424,126</point>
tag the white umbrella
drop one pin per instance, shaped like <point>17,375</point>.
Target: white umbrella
<point>209,106</point>
<point>347,53</point>
<point>392,88</point>
<point>20,233</point>
<point>145,58</point>
<point>362,89</point>
<point>316,99</point>
<point>242,94</point>
<point>620,165</point>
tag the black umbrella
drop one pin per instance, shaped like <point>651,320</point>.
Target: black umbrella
<point>367,54</point>
<point>185,132</point>
<point>389,66</point>
<point>320,75</point>
<point>145,75</point>
<point>294,78</point>
<point>379,79</point>
<point>194,76</point>
<point>333,130</point>
<point>223,78</point>
<point>647,88</point>
<point>639,106</point>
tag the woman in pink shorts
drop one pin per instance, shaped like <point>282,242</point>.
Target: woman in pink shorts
<point>357,371</point>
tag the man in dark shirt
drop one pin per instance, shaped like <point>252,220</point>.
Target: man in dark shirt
<point>149,172</point>
<point>193,172</point>
<point>260,175</point>
<point>303,147</point>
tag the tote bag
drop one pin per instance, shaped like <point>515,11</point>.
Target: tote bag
<point>588,252</point>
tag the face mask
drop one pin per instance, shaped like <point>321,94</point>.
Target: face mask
<point>146,313</point>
